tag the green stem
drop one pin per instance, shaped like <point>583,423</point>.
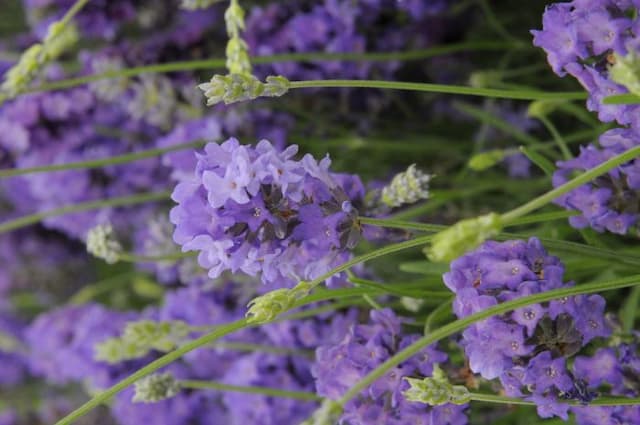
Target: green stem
<point>460,324</point>
<point>96,163</point>
<point>380,252</point>
<point>273,392</point>
<point>439,88</point>
<point>174,256</point>
<point>560,245</point>
<point>219,63</point>
<point>570,185</point>
<point>600,401</point>
<point>497,122</point>
<point>89,292</point>
<point>84,206</point>
<point>557,137</point>
<point>71,13</point>
<point>150,368</point>
<point>436,314</point>
<point>250,348</point>
<point>621,99</point>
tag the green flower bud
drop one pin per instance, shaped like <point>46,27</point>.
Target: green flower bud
<point>154,388</point>
<point>407,187</point>
<point>626,71</point>
<point>102,243</point>
<point>484,160</point>
<point>436,390</point>
<point>233,88</point>
<point>463,236</point>
<point>139,338</point>
<point>542,108</point>
<point>267,307</point>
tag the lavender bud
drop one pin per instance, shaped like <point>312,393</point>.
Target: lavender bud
<point>154,388</point>
<point>102,243</point>
<point>407,187</point>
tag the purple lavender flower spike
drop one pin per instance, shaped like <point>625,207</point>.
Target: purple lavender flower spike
<point>259,211</point>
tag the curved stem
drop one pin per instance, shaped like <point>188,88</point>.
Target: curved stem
<point>560,245</point>
<point>439,88</point>
<point>83,206</point>
<point>174,256</point>
<point>208,64</point>
<point>168,358</point>
<point>71,13</point>
<point>570,185</point>
<point>601,401</point>
<point>273,392</point>
<point>460,324</point>
<point>96,163</point>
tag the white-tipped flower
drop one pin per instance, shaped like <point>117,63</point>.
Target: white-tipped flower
<point>102,243</point>
<point>407,187</point>
<point>153,100</point>
<point>154,388</point>
<point>436,390</point>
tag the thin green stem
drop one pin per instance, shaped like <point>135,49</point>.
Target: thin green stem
<point>436,314</point>
<point>219,63</point>
<point>71,13</point>
<point>557,137</point>
<point>380,252</point>
<point>543,217</point>
<point>251,348</point>
<point>272,392</point>
<point>497,122</point>
<point>171,257</point>
<point>439,88</point>
<point>150,368</point>
<point>560,245</point>
<point>570,185</point>
<point>600,401</point>
<point>28,220</point>
<point>621,99</point>
<point>460,324</point>
<point>494,22</point>
<point>89,292</point>
<point>96,163</point>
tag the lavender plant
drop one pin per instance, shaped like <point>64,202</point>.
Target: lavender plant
<point>286,213</point>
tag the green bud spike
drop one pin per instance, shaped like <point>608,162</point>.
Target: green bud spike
<point>463,236</point>
<point>328,414</point>
<point>198,4</point>
<point>626,71</point>
<point>240,87</point>
<point>267,307</point>
<point>484,160</point>
<point>542,108</point>
<point>436,390</point>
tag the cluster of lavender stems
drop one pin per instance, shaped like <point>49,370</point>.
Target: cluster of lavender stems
<point>319,213</point>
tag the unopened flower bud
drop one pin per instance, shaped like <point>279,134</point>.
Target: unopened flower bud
<point>436,390</point>
<point>154,388</point>
<point>463,236</point>
<point>407,187</point>
<point>484,160</point>
<point>626,71</point>
<point>102,243</point>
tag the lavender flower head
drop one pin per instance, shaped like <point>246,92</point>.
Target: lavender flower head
<point>259,211</point>
<point>527,348</point>
<point>581,38</point>
<point>364,347</point>
<point>612,201</point>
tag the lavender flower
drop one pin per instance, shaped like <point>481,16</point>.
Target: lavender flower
<point>362,348</point>
<point>581,38</point>
<point>258,211</point>
<point>527,348</point>
<point>612,201</point>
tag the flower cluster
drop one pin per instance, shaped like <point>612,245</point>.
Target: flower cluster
<point>259,211</point>
<point>528,348</point>
<point>360,350</point>
<point>612,201</point>
<point>581,38</point>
